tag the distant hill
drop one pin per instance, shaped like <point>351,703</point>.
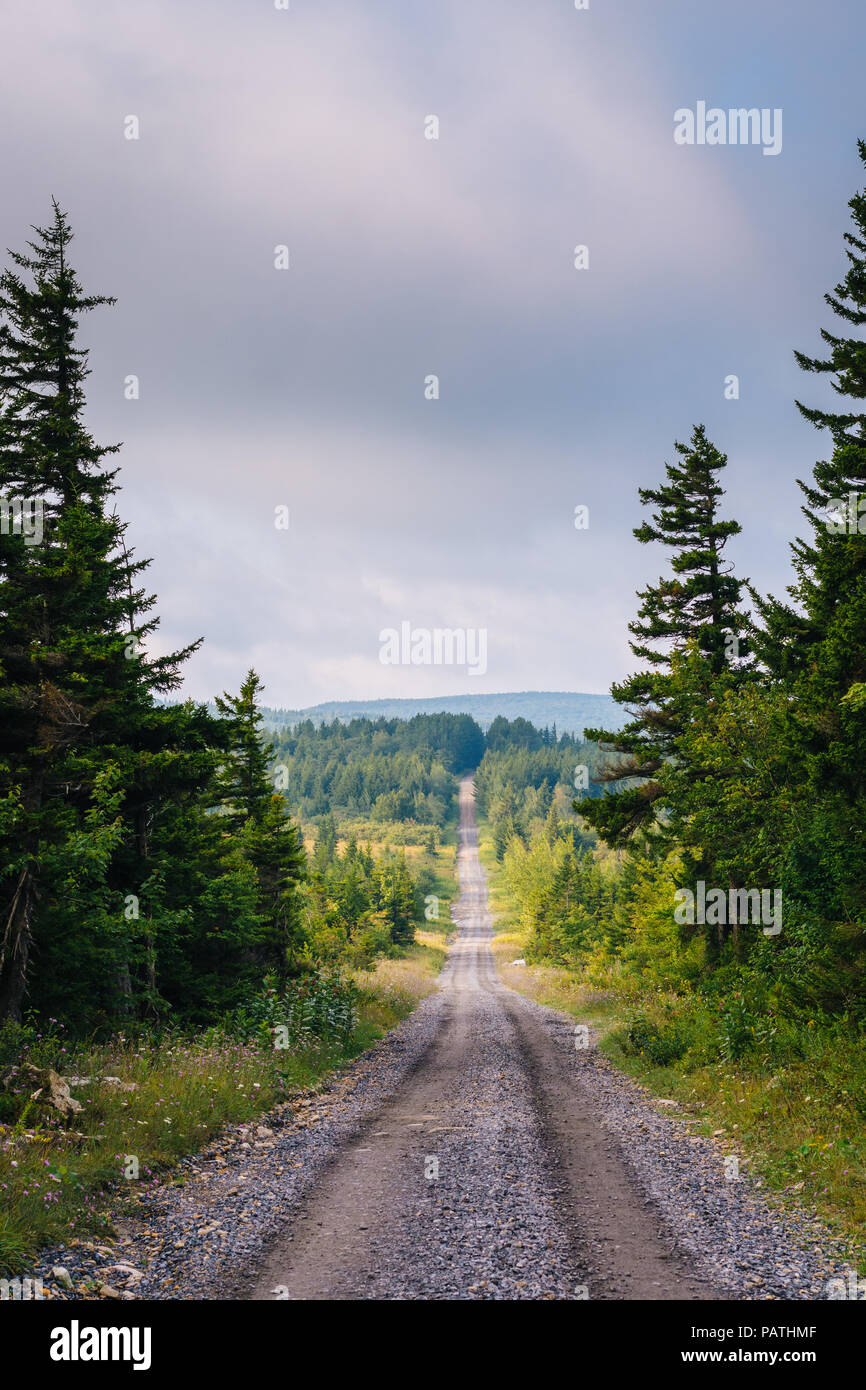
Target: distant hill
<point>569,711</point>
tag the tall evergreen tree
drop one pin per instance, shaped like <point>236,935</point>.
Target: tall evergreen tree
<point>822,631</point>
<point>76,695</point>
<point>397,901</point>
<point>256,815</point>
<point>697,607</point>
<point>813,647</point>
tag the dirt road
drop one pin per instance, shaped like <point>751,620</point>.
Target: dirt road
<point>488,1173</point>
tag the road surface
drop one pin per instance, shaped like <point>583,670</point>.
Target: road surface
<point>488,1174</point>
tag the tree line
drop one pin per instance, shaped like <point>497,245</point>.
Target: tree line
<point>530,780</point>
<point>381,769</point>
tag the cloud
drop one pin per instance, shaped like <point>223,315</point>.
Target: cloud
<point>408,257</point>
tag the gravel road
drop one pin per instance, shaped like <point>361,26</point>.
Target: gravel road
<point>475,1153</point>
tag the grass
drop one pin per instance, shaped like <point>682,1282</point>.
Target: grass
<point>59,1182</point>
<point>393,988</point>
<point>797,1123</point>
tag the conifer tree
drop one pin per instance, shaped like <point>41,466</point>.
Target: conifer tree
<point>76,689</point>
<point>256,815</point>
<point>822,632</point>
<point>326,843</point>
<point>697,607</point>
<point>398,901</point>
<point>813,647</point>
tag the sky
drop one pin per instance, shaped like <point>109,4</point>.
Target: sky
<point>262,388</point>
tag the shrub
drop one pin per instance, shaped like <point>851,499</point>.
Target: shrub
<point>662,1043</point>
<point>320,1006</point>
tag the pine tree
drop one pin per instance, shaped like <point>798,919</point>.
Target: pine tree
<point>397,899</point>
<point>257,816</point>
<point>697,607</point>
<point>822,631</point>
<point>77,690</point>
<point>49,467</point>
<point>326,843</point>
<point>813,647</point>
<point>245,787</point>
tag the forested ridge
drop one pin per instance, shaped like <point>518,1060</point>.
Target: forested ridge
<point>386,769</point>
<point>570,711</point>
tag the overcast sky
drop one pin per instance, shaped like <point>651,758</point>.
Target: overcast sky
<point>409,257</point>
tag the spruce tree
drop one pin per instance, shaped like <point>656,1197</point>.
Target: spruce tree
<point>822,631</point>
<point>696,607</point>
<point>76,689</point>
<point>256,815</point>
<point>813,646</point>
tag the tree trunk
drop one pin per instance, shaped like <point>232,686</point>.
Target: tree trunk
<point>17,941</point>
<point>15,948</point>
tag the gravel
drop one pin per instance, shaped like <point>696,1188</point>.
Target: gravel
<point>745,1245</point>
<point>187,1241</point>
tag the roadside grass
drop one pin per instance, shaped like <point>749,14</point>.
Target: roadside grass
<point>169,1097</point>
<point>487,855</point>
<point>797,1124</point>
<point>794,1115</point>
<point>394,987</point>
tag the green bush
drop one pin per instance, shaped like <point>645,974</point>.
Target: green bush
<point>745,1026</point>
<point>662,1043</point>
<point>14,1037</point>
<point>319,1007</point>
